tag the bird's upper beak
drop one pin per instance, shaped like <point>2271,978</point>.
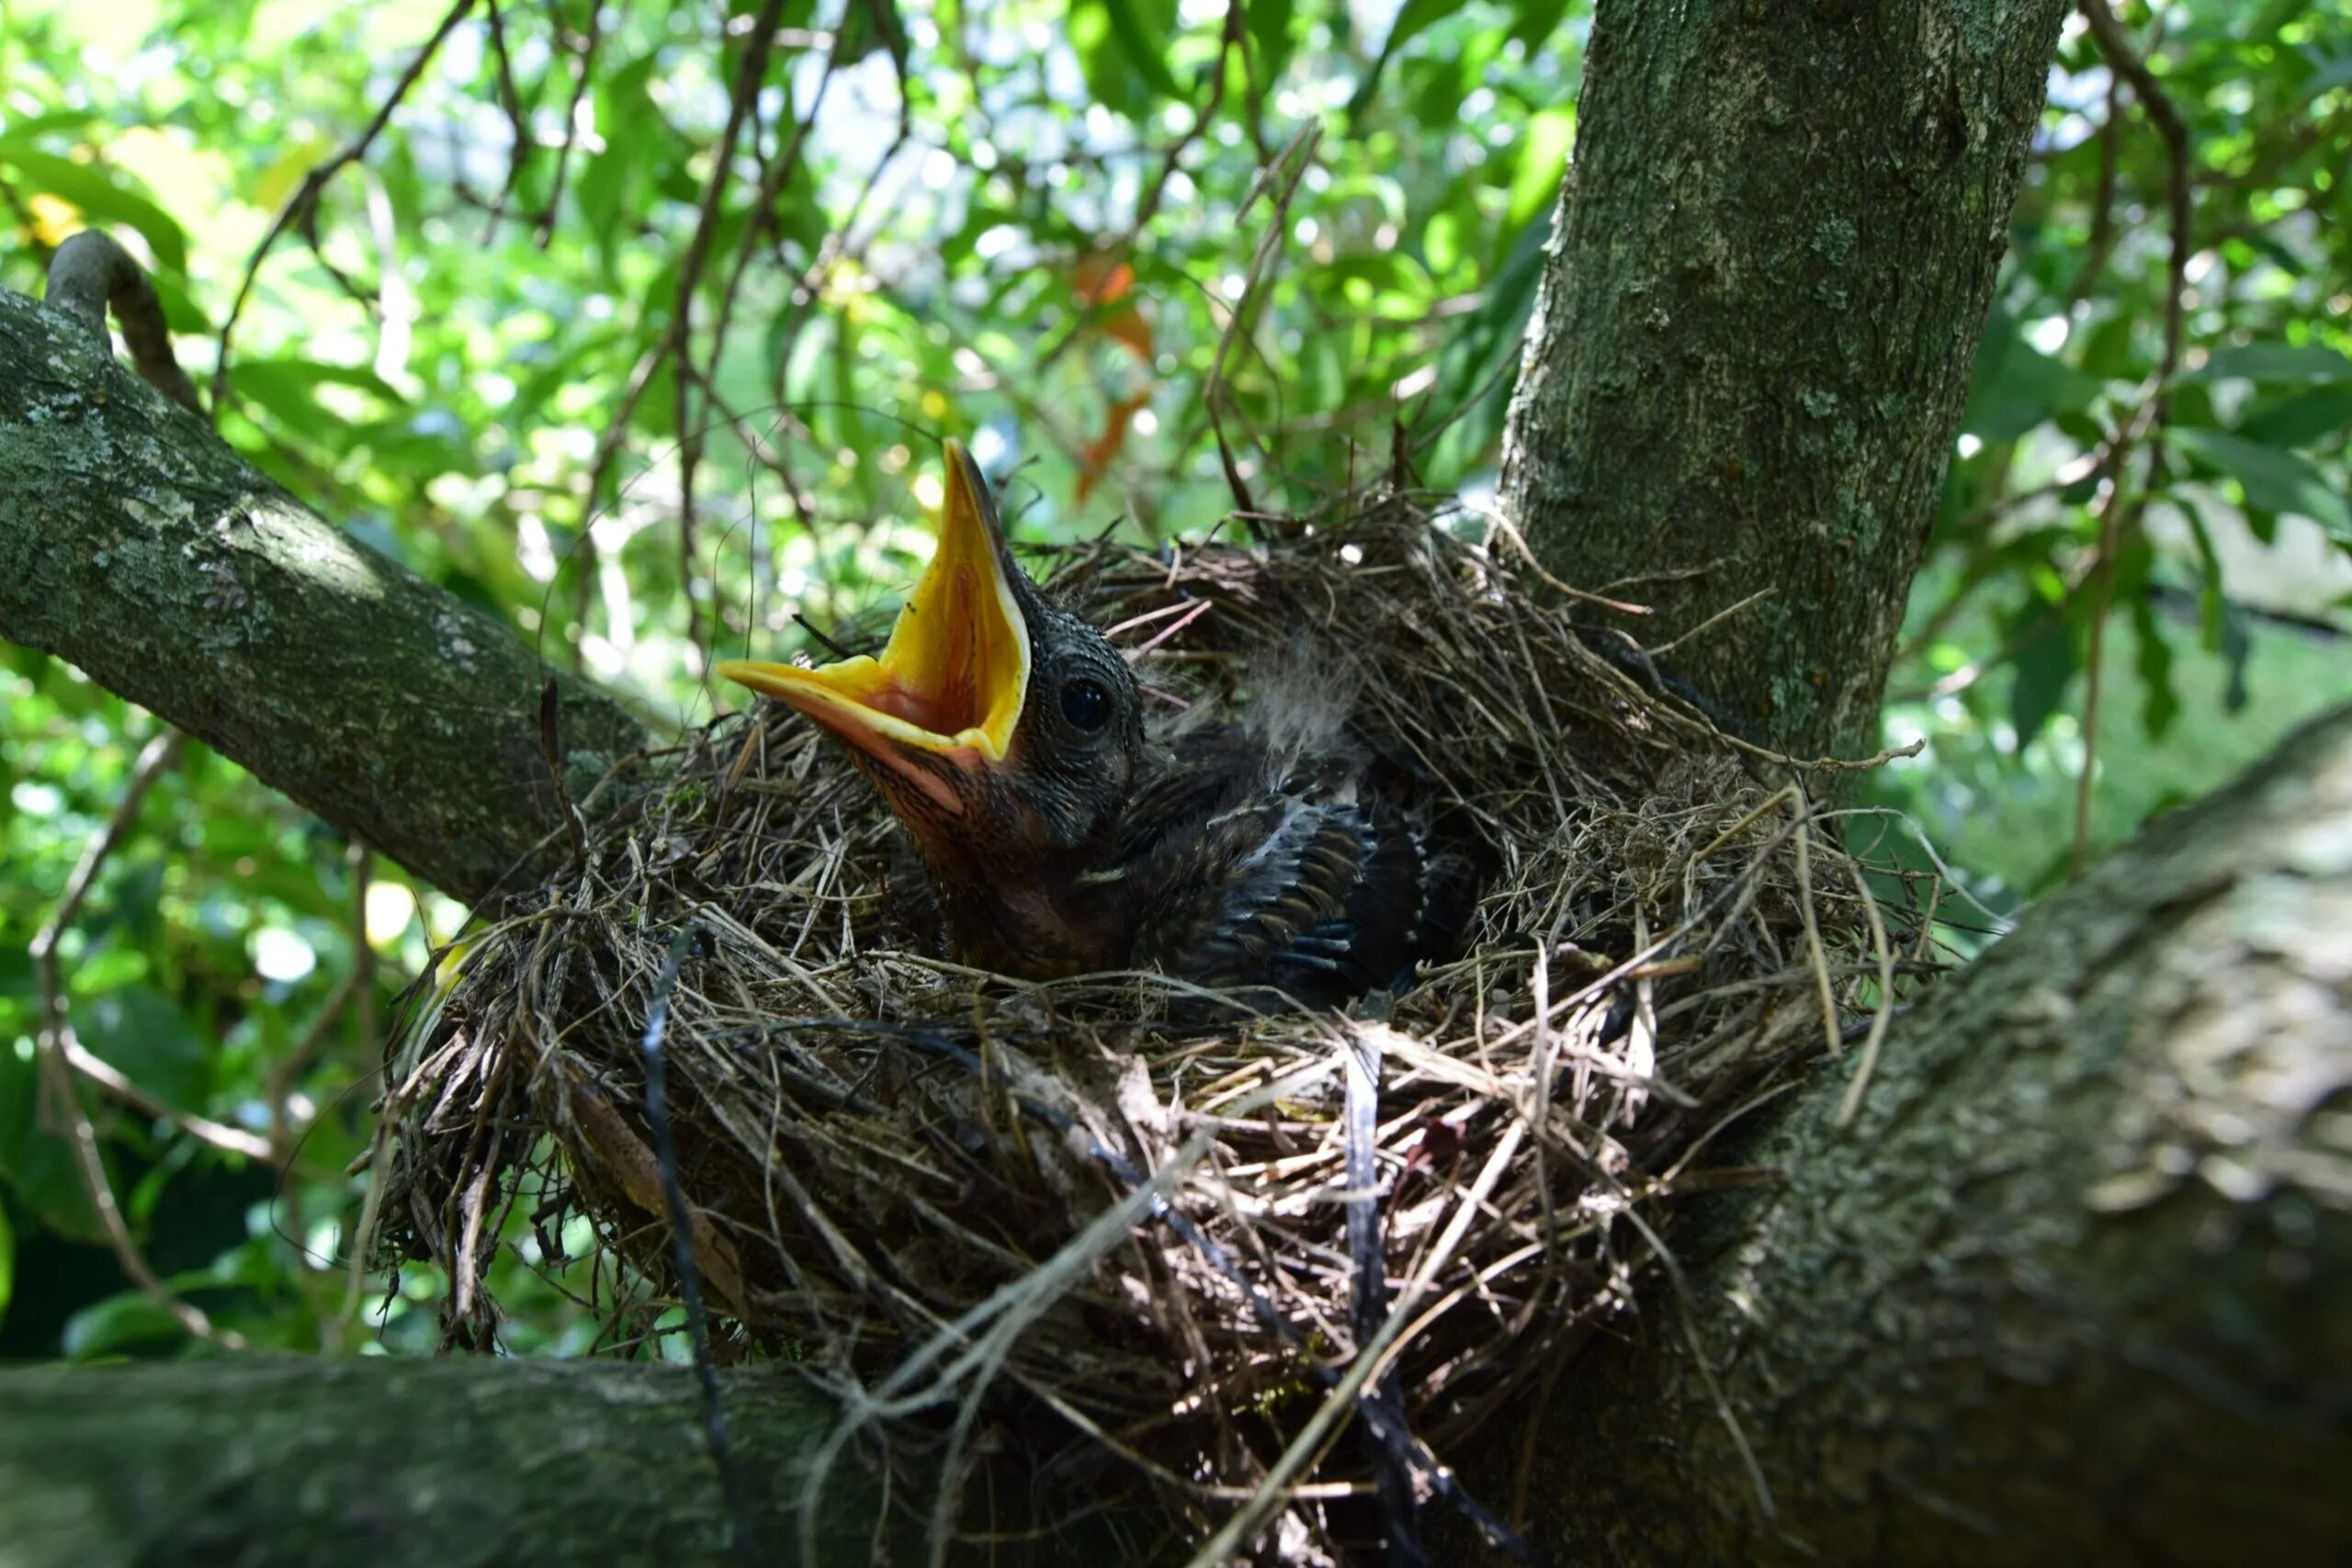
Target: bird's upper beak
<point>949,685</point>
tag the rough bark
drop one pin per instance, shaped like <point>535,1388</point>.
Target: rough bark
<point>396,1463</point>
<point>140,547</point>
<point>2075,1287</point>
<point>1751,345</point>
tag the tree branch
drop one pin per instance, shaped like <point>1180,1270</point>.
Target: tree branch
<point>465,1463</point>
<point>136,545</point>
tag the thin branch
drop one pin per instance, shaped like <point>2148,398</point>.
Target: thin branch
<point>586,73</point>
<point>510,100</point>
<point>1235,30</point>
<point>2102,236</point>
<point>59,1049</point>
<point>1279,182</point>
<point>90,273</point>
<point>305,195</point>
<point>2119,512</point>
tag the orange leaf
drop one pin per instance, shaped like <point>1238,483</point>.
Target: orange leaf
<point>1096,457</point>
<point>1098,280</point>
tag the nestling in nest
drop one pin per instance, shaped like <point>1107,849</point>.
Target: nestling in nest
<point>1152,1228</point>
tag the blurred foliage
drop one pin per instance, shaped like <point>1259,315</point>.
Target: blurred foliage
<point>2227,585</point>
<point>635,324</point>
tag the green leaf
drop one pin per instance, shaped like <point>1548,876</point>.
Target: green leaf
<point>1412,18</point>
<point>140,1032</point>
<point>1474,372</point>
<point>1543,160</point>
<point>2273,479</point>
<point>181,312</point>
<point>2305,419</point>
<point>1144,41</point>
<point>101,194</point>
<point>57,121</point>
<point>1532,22</point>
<point>2237,647</point>
<point>1270,37</point>
<point>2045,667</point>
<point>39,1165</point>
<point>1123,51</point>
<point>118,1324</point>
<point>2213,609</point>
<point>2162,703</point>
<point>2016,387</point>
<point>875,23</point>
<point>2278,364</point>
<point>288,389</point>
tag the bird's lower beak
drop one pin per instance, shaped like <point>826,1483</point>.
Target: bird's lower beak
<point>950,684</point>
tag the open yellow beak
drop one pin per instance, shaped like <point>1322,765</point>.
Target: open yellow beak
<point>952,680</point>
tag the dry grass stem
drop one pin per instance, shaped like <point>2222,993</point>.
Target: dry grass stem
<point>1102,1223</point>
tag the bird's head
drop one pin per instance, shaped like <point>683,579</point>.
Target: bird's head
<point>999,725</point>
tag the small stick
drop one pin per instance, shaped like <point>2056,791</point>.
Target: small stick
<point>89,273</point>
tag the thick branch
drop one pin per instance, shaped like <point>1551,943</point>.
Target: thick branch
<point>2076,1286</point>
<point>399,1463</point>
<point>1753,340</point>
<point>136,545</point>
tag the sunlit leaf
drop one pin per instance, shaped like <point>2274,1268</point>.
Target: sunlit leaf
<point>1542,159</point>
<point>99,192</point>
<point>1474,372</point>
<point>288,388</point>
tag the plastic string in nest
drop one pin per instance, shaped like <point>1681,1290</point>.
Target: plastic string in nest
<point>1127,1220</point>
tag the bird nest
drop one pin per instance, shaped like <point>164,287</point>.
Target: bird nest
<point>1249,1258</point>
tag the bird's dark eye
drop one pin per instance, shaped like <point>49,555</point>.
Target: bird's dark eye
<point>1086,705</point>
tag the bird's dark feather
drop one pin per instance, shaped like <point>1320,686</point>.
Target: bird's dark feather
<point>1315,881</point>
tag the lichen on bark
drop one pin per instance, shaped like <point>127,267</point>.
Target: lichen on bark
<point>1753,338</point>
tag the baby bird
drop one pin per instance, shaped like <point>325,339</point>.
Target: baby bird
<point>1060,835</point>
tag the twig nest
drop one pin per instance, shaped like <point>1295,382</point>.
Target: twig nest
<point>1116,1211</point>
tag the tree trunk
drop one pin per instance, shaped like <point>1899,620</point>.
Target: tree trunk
<point>1752,342</point>
<point>2076,1284</point>
<point>140,547</point>
<point>401,1463</point>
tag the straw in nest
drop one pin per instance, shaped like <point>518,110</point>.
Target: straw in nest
<point>1111,1216</point>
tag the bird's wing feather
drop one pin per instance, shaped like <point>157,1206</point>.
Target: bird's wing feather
<point>1257,887</point>
<point>1254,867</point>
